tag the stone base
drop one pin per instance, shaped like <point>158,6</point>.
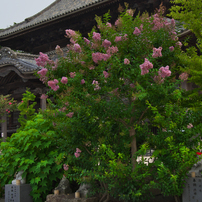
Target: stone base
<point>68,198</point>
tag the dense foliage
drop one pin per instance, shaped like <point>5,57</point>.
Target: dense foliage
<point>110,91</point>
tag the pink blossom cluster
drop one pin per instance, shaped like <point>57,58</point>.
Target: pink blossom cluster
<point>184,76</point>
<point>164,72</point>
<point>42,60</point>
<point>108,24</point>
<point>96,36</point>
<point>173,35</point>
<point>106,74</point>
<point>157,22</point>
<point>121,38</point>
<point>82,81</point>
<point>137,31</point>
<point>96,84</point>
<point>72,41</point>
<point>126,61</point>
<point>145,67</point>
<point>55,64</point>
<point>62,109</point>
<point>106,43</point>
<point>86,40</point>
<point>72,74</point>
<point>77,48</point>
<point>53,85</point>
<point>42,72</point>
<point>157,52</point>
<point>77,153</point>
<point>65,167</point>
<point>70,33</point>
<point>130,12</point>
<point>190,126</point>
<point>70,114</point>
<point>171,48</point>
<point>179,44</point>
<point>118,38</point>
<point>112,50</point>
<point>118,22</point>
<point>7,111</point>
<point>44,96</point>
<point>92,67</point>
<point>64,80</point>
<point>100,56</point>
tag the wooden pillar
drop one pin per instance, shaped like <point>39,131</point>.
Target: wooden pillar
<point>4,127</point>
<point>43,104</point>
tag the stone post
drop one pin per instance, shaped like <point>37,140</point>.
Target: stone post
<point>43,104</point>
<point>4,127</point>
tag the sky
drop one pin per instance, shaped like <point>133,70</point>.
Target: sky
<point>18,10</point>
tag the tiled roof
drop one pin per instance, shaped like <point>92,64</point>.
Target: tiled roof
<point>56,10</point>
<point>23,62</point>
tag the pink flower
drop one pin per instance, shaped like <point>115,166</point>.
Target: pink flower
<point>91,67</point>
<point>190,126</point>
<point>171,48</point>
<point>184,76</point>
<point>72,41</point>
<point>164,72</point>
<point>82,81</point>
<point>106,74</point>
<point>77,154</point>
<point>72,74</point>
<point>42,72</point>
<point>10,103</point>
<point>65,167</point>
<point>55,65</point>
<point>78,150</point>
<point>96,36</point>
<point>125,37</point>
<point>106,43</point>
<point>157,52</point>
<point>118,22</point>
<point>137,31</point>
<point>100,56</point>
<point>118,38</point>
<point>64,80</point>
<point>44,96</point>
<point>42,60</point>
<point>96,84</point>
<point>108,24</point>
<point>179,44</point>
<point>77,48</point>
<point>130,12</point>
<point>70,33</point>
<point>70,114</point>
<point>112,50</point>
<point>86,40</point>
<point>141,27</point>
<point>53,85</point>
<point>126,61</point>
<point>145,67</point>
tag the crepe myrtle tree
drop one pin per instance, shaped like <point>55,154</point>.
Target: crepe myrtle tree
<point>116,70</point>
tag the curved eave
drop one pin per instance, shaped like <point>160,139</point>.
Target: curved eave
<point>6,69</point>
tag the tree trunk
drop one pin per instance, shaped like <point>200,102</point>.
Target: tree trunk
<point>133,147</point>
